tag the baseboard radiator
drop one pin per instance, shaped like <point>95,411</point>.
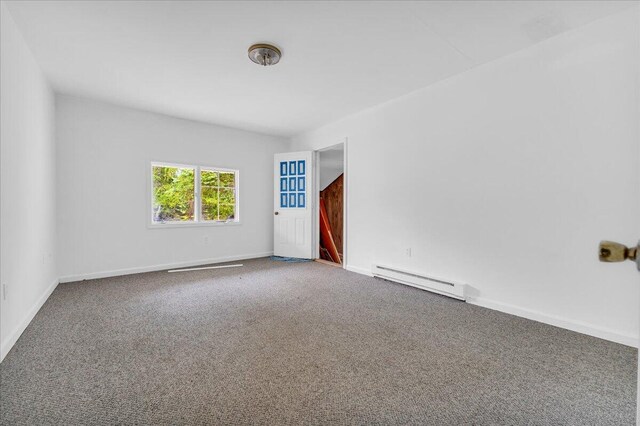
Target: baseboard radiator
<point>421,281</point>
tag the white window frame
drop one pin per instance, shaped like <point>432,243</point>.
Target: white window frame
<point>197,215</point>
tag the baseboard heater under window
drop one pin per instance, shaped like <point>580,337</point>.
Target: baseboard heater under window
<point>435,285</point>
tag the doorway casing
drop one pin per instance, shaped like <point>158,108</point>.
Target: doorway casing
<point>345,195</point>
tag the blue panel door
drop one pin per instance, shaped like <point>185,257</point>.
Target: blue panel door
<point>293,184</point>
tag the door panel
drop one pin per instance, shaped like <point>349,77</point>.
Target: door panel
<point>292,220</point>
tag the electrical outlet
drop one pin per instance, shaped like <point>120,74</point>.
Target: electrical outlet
<point>4,291</point>
<point>409,252</point>
<point>206,240</point>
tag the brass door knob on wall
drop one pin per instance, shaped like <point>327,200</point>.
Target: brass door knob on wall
<point>610,251</point>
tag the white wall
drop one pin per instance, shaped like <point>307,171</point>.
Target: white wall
<point>331,164</point>
<point>27,189</point>
<point>104,153</point>
<point>507,176</point>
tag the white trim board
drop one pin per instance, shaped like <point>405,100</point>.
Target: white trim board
<point>358,270</point>
<point>13,336</point>
<point>203,268</point>
<point>161,267</point>
<point>577,326</point>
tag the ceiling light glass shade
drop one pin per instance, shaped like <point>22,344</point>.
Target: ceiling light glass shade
<point>264,54</point>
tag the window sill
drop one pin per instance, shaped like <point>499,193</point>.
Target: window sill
<point>190,225</point>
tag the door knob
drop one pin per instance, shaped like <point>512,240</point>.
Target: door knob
<point>610,251</point>
<point>276,213</point>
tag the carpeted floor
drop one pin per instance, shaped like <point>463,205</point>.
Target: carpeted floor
<point>279,343</point>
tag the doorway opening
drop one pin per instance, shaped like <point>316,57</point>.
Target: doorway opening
<point>331,206</point>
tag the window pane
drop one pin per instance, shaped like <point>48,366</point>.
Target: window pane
<point>173,194</point>
<point>227,212</point>
<point>209,178</point>
<point>227,196</point>
<point>209,203</point>
<point>228,179</point>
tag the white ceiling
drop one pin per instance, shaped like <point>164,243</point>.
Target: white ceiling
<point>189,59</point>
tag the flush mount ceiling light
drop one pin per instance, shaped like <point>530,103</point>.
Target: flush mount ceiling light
<point>264,54</point>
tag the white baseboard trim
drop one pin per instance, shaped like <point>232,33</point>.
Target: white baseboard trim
<point>577,326</point>
<point>358,270</point>
<point>161,267</point>
<point>12,338</point>
<point>8,342</point>
<point>573,325</point>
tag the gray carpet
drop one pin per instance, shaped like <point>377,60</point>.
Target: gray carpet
<point>278,343</point>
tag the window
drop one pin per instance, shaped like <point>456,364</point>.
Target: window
<point>218,194</point>
<point>183,194</point>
